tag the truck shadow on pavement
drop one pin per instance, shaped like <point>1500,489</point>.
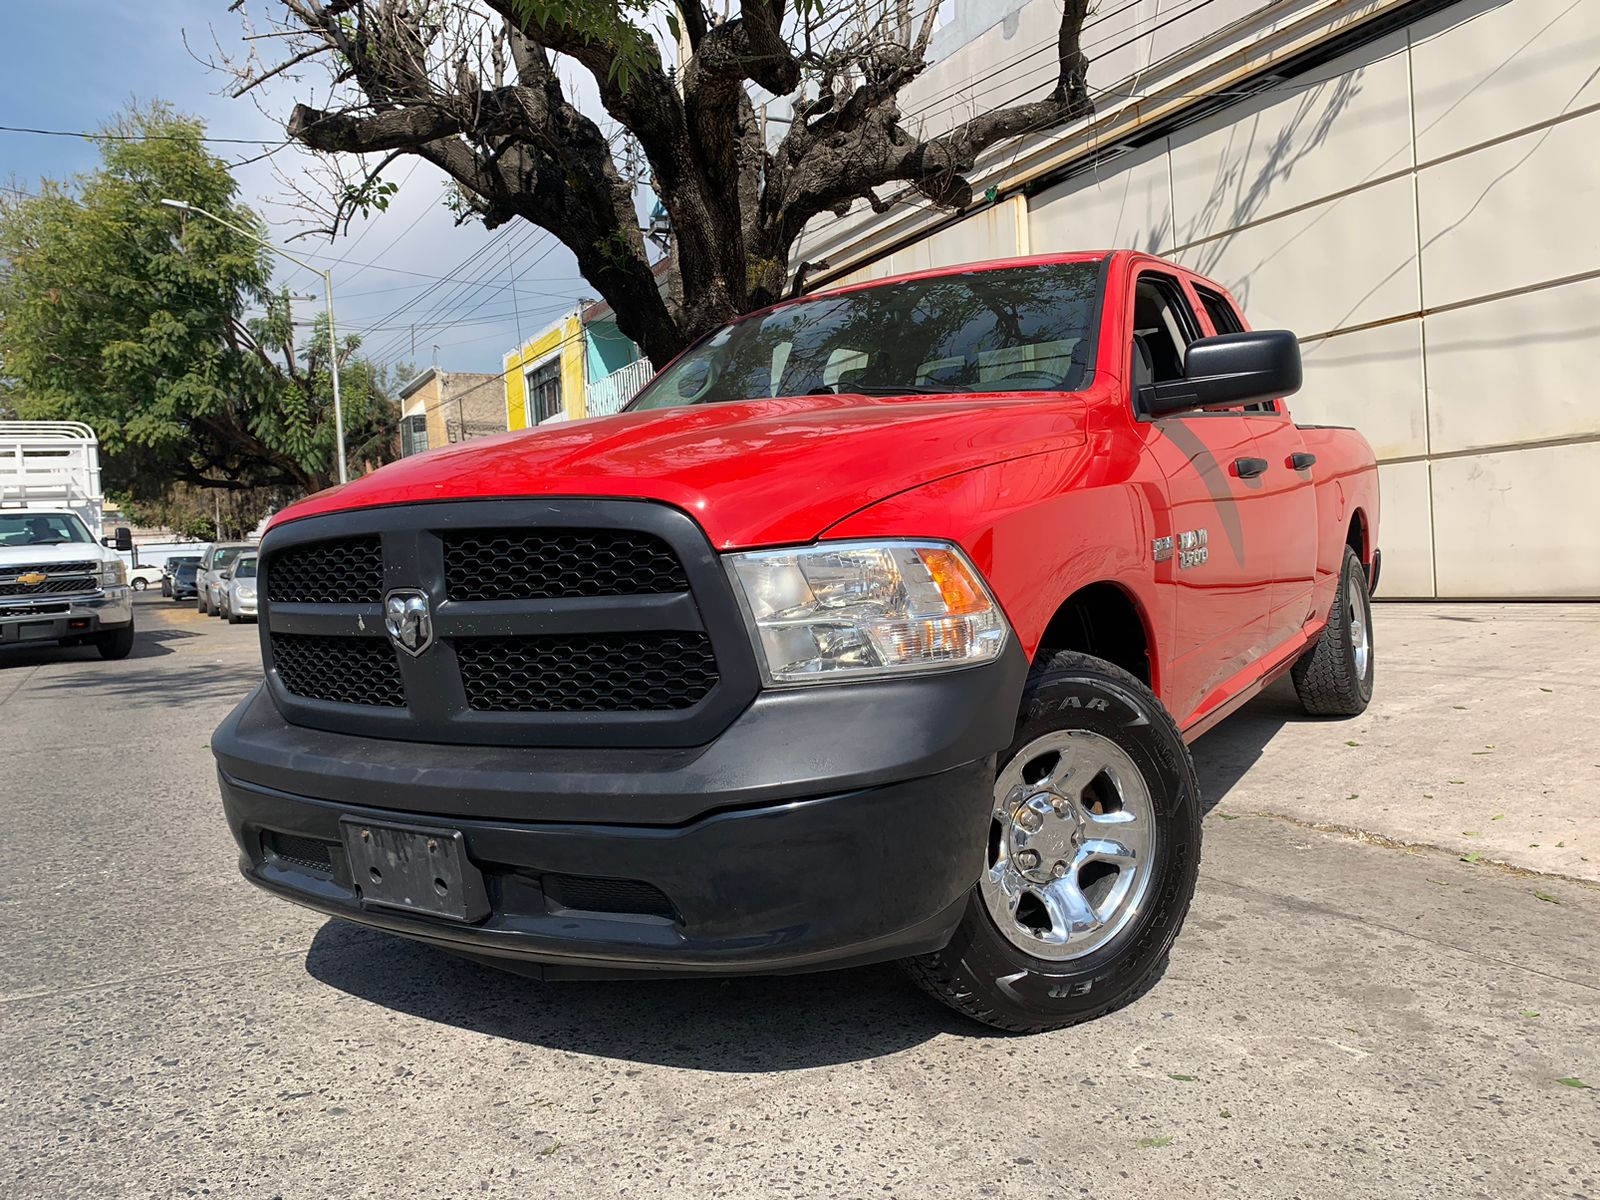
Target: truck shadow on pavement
<point>151,643</point>
<point>209,683</point>
<point>783,1023</point>
<point>1222,756</point>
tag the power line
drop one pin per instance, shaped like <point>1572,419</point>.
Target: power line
<point>140,137</point>
<point>467,287</point>
<point>464,293</point>
<point>443,321</point>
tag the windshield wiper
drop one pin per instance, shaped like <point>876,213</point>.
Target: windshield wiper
<point>884,389</point>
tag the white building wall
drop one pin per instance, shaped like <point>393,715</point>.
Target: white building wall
<point>1425,213</point>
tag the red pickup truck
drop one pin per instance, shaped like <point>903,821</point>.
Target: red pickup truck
<point>875,628</point>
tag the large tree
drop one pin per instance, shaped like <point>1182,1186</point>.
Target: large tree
<point>472,86</point>
<point>135,318</point>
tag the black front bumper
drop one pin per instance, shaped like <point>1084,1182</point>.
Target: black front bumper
<point>825,827</point>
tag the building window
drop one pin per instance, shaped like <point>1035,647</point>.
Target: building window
<point>413,435</point>
<point>544,391</point>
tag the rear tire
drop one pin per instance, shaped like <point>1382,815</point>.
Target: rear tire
<point>139,585</point>
<point>1097,782</point>
<point>1334,677</point>
<point>115,644</point>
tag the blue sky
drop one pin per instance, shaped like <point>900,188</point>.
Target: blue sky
<point>72,64</point>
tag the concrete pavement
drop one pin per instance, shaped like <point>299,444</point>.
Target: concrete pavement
<point>1341,1017</point>
<point>1483,738</point>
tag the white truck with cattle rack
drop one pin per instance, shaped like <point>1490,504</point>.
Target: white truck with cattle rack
<point>60,581</point>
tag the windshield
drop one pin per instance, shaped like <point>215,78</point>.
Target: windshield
<point>222,558</point>
<point>246,568</point>
<point>187,570</point>
<point>41,529</point>
<point>1022,329</point>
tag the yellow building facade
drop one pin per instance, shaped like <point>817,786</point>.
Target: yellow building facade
<point>544,377</point>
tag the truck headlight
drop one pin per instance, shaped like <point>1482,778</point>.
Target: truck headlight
<point>114,573</point>
<point>851,610</point>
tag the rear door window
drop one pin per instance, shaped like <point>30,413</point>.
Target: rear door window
<point>1225,319</point>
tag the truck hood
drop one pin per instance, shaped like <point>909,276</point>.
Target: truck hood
<point>44,556</point>
<point>761,472</point>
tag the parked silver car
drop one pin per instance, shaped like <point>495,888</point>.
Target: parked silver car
<point>209,585</point>
<point>239,589</point>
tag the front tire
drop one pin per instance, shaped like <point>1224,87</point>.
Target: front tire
<point>139,585</point>
<point>1334,677</point>
<point>1093,852</point>
<point>118,643</point>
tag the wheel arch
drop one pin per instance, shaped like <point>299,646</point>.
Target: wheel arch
<point>1107,621</point>
<point>1357,537</point>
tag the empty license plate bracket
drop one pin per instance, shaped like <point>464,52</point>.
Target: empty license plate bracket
<point>414,868</point>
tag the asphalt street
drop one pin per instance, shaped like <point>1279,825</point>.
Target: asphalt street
<point>1349,1012</point>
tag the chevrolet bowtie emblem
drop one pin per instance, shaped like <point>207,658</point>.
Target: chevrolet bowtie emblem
<point>32,578</point>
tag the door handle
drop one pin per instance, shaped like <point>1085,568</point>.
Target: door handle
<point>1249,468</point>
<point>1302,461</point>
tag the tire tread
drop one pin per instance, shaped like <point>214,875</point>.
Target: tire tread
<point>1325,678</point>
<point>939,973</point>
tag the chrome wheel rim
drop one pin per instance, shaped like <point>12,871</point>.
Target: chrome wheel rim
<point>1360,629</point>
<point>1070,845</point>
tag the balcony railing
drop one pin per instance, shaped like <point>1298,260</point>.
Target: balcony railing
<point>608,395</point>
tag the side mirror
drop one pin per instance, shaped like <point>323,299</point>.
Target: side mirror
<point>1229,370</point>
<point>226,575</point>
<point>124,538</point>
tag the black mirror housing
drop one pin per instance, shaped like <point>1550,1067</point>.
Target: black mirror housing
<point>1229,370</point>
<point>124,538</point>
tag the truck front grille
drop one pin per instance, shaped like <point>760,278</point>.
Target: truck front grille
<point>552,622</point>
<point>346,571</point>
<point>651,672</point>
<point>545,564</point>
<point>64,578</point>
<point>345,670</point>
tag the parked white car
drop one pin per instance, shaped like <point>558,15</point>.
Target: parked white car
<point>140,578</point>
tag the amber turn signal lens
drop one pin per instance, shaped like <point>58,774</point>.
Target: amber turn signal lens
<point>963,594</point>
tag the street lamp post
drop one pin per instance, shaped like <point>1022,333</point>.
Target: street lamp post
<point>327,284</point>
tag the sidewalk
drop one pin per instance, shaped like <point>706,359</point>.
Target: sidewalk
<point>1483,738</point>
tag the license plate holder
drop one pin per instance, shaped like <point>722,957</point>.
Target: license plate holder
<point>414,868</point>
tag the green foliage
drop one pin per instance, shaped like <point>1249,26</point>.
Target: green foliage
<point>610,23</point>
<point>130,316</point>
<point>372,196</point>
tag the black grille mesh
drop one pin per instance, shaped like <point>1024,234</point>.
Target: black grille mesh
<point>55,585</point>
<point>57,568</point>
<point>540,565</point>
<point>301,853</point>
<point>346,571</point>
<point>349,670</point>
<point>643,672</point>
<point>608,895</point>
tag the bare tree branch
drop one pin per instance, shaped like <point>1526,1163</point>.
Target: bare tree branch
<point>472,86</point>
